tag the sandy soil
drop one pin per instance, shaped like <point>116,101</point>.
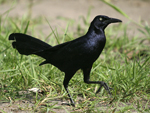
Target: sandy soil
<point>51,9</point>
<point>137,9</point>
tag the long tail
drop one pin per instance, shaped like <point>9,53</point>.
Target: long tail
<point>27,45</point>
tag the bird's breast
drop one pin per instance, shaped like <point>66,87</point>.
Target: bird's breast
<point>96,44</point>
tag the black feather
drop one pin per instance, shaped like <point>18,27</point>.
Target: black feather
<point>27,45</point>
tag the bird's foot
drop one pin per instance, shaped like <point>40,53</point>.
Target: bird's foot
<point>107,88</point>
<point>72,104</point>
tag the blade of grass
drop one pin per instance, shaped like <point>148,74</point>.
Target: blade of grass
<point>53,32</point>
<point>117,9</point>
<point>25,31</point>
<point>18,29</point>
<point>121,12</point>
<point>65,33</point>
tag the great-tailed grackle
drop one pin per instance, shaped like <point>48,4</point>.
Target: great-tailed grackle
<point>70,56</point>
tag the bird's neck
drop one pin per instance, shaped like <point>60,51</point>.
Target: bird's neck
<point>93,31</point>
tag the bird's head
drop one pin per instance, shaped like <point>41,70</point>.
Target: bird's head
<point>101,21</point>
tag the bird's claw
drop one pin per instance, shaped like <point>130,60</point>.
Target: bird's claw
<point>72,104</point>
<point>107,88</point>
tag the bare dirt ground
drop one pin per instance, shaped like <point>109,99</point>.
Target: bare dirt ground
<point>52,9</point>
<point>137,9</point>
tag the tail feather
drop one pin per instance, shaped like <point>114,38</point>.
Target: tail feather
<point>27,45</point>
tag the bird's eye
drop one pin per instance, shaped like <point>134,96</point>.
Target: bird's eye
<point>100,19</point>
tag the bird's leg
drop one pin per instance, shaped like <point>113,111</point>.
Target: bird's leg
<point>86,73</point>
<point>65,83</point>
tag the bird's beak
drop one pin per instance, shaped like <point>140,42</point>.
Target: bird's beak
<point>112,20</point>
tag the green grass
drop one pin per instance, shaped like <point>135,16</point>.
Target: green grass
<point>124,65</point>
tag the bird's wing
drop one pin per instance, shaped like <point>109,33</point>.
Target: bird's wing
<point>68,52</point>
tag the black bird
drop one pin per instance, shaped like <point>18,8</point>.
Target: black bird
<point>70,56</point>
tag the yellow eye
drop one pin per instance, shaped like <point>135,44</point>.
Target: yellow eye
<point>100,19</point>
